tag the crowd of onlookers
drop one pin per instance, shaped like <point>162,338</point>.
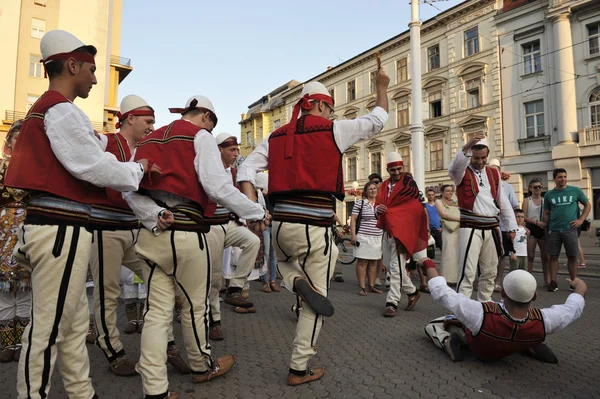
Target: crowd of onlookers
<point>537,235</point>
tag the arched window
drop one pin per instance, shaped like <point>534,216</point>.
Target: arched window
<point>595,107</point>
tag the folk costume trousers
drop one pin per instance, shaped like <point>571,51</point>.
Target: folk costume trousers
<point>437,330</point>
<point>219,238</point>
<point>396,259</point>
<point>174,258</point>
<point>307,252</point>
<point>110,250</point>
<point>477,253</point>
<point>57,256</point>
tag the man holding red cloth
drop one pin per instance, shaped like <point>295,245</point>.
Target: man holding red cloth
<point>404,222</point>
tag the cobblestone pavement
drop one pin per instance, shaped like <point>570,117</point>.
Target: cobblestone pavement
<point>366,355</point>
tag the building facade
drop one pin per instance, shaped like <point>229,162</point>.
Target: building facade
<point>550,63</point>
<point>460,94</point>
<point>22,25</point>
<point>263,116</point>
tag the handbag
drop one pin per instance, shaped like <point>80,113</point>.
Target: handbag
<point>359,216</point>
<point>585,226</point>
<point>452,225</point>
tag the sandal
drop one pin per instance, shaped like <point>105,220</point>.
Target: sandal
<point>362,292</point>
<point>375,290</point>
<point>424,289</point>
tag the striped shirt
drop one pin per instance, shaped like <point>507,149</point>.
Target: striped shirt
<point>368,222</point>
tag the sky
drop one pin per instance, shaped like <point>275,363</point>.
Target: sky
<point>234,52</point>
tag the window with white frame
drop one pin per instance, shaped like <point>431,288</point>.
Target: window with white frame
<point>532,57</point>
<point>594,39</point>
<point>402,70</point>
<point>473,89</point>
<point>435,104</point>
<point>595,108</point>
<point>276,124</point>
<point>534,118</point>
<point>351,91</point>
<point>249,138</point>
<point>436,154</point>
<point>38,28</point>
<point>372,86</point>
<point>433,56</point>
<point>351,168</point>
<point>31,99</point>
<point>405,154</point>
<point>35,67</point>
<point>376,162</point>
<point>471,41</point>
<point>402,111</point>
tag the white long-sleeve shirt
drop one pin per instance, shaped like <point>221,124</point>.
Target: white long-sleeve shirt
<point>484,202</point>
<point>76,147</point>
<point>470,312</point>
<point>214,179</point>
<point>345,133</point>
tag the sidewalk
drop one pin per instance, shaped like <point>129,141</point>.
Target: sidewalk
<point>591,253</point>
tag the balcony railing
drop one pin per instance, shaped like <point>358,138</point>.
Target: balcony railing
<point>115,59</point>
<point>589,136</point>
<point>11,116</point>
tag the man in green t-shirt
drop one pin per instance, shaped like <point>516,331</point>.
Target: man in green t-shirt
<point>561,215</point>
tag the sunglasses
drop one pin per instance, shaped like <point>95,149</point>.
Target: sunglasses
<point>376,181</point>
<point>536,187</point>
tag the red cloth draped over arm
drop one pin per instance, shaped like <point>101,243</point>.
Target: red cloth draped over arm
<point>405,217</point>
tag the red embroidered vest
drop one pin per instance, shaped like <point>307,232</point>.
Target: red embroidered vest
<point>500,336</point>
<point>172,148</point>
<point>117,145</point>
<point>468,188</point>
<point>34,166</point>
<point>316,164</point>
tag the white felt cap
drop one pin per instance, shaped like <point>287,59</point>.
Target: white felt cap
<point>131,102</point>
<point>59,42</point>
<point>520,286</point>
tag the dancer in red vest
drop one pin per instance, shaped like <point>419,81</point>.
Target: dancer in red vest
<point>174,244</point>
<point>227,231</point>
<point>406,231</point>
<point>496,330</point>
<point>59,160</point>
<point>482,204</point>
<point>304,158</point>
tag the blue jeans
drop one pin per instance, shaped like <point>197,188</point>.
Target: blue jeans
<point>271,274</point>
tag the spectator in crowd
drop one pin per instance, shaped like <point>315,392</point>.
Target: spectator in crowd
<point>435,227</point>
<point>367,239</point>
<point>533,207</point>
<point>377,179</point>
<point>518,259</point>
<point>449,213</point>
<point>561,206</point>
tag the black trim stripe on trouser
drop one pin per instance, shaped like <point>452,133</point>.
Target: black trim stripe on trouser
<point>113,354</point>
<point>328,246</point>
<point>60,302</point>
<point>28,353</point>
<point>464,266</point>
<point>152,267</point>
<point>201,237</point>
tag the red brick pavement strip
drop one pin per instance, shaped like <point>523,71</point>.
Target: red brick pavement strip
<point>366,355</point>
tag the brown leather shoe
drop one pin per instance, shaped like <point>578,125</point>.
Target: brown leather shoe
<point>236,299</point>
<point>274,286</point>
<point>412,300</point>
<point>90,338</point>
<point>216,333</point>
<point>311,375</point>
<point>7,355</point>
<point>173,395</point>
<point>319,304</point>
<point>238,309</point>
<point>174,359</point>
<point>389,311</point>
<point>122,367</point>
<point>221,366</point>
<point>266,287</point>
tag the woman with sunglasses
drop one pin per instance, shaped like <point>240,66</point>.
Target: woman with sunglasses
<point>533,208</point>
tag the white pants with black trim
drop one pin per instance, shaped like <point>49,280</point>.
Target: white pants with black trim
<point>437,333</point>
<point>110,250</point>
<point>174,258</point>
<point>307,252</point>
<point>396,261</point>
<point>230,235</point>
<point>57,257</point>
<point>477,248</point>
